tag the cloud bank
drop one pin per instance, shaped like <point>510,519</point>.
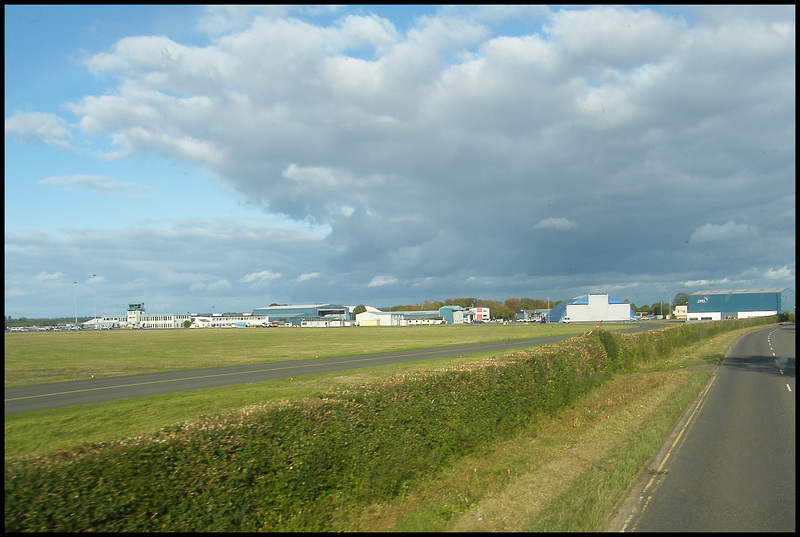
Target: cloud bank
<point>600,147</point>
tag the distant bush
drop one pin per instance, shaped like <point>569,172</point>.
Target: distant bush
<point>306,465</point>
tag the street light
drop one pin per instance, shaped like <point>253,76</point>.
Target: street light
<point>76,303</point>
<point>94,292</point>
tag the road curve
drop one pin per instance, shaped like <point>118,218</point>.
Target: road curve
<point>35,397</point>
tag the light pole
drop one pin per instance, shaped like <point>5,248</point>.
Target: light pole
<point>76,303</point>
<point>94,293</point>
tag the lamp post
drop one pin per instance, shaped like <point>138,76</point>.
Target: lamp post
<point>94,293</point>
<point>75,287</point>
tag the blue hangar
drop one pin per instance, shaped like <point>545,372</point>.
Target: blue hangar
<point>313,315</point>
<point>738,304</point>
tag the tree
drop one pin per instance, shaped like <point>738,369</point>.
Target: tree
<point>660,308</point>
<point>510,308</point>
<point>361,308</point>
<point>681,299</point>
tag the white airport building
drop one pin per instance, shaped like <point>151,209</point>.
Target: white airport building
<point>444,315</point>
<point>137,318</point>
<point>594,307</point>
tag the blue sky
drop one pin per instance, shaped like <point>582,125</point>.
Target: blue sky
<point>225,158</point>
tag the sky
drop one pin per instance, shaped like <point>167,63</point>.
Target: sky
<point>222,159</point>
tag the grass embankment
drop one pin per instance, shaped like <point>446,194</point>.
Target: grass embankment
<point>378,456</point>
<point>566,472</point>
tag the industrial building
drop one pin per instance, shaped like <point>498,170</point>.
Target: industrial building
<point>137,318</point>
<point>739,304</point>
<point>532,316</point>
<point>310,315</point>
<point>479,314</point>
<point>218,320</point>
<point>591,308</point>
<point>444,315</point>
<point>375,317</point>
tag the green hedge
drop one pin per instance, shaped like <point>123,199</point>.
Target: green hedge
<point>310,464</point>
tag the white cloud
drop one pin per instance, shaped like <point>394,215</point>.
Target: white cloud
<point>262,276</point>
<point>97,184</point>
<point>782,273</point>
<point>705,283</point>
<point>308,276</point>
<point>39,127</point>
<point>49,276</point>
<point>380,281</point>
<point>615,36</point>
<point>220,285</point>
<point>729,231</point>
<point>556,223</point>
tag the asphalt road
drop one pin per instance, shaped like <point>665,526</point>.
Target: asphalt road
<point>730,464</point>
<point>20,399</point>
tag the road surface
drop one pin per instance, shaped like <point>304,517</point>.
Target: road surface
<point>730,464</point>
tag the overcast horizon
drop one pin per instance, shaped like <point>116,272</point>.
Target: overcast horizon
<point>221,159</point>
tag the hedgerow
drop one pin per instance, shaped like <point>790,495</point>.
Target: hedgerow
<point>306,465</point>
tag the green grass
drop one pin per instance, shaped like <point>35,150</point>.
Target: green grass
<point>540,480</point>
<point>610,450</point>
<point>39,357</point>
<point>37,433</point>
<point>586,505</point>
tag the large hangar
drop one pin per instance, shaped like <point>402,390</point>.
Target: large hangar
<point>322,315</point>
<point>738,304</point>
<point>444,315</point>
<point>591,308</point>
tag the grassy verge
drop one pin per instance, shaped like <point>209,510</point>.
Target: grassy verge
<point>568,472</point>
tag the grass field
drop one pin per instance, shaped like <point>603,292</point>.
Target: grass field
<point>564,476</point>
<point>38,357</point>
<point>33,357</point>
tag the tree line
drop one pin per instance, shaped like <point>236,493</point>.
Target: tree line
<point>498,310</point>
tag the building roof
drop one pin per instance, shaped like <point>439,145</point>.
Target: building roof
<point>739,291</point>
<point>584,299</point>
<point>558,311</point>
<point>293,306</point>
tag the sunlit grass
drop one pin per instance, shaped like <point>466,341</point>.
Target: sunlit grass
<point>580,461</point>
<point>37,433</point>
<point>38,357</point>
